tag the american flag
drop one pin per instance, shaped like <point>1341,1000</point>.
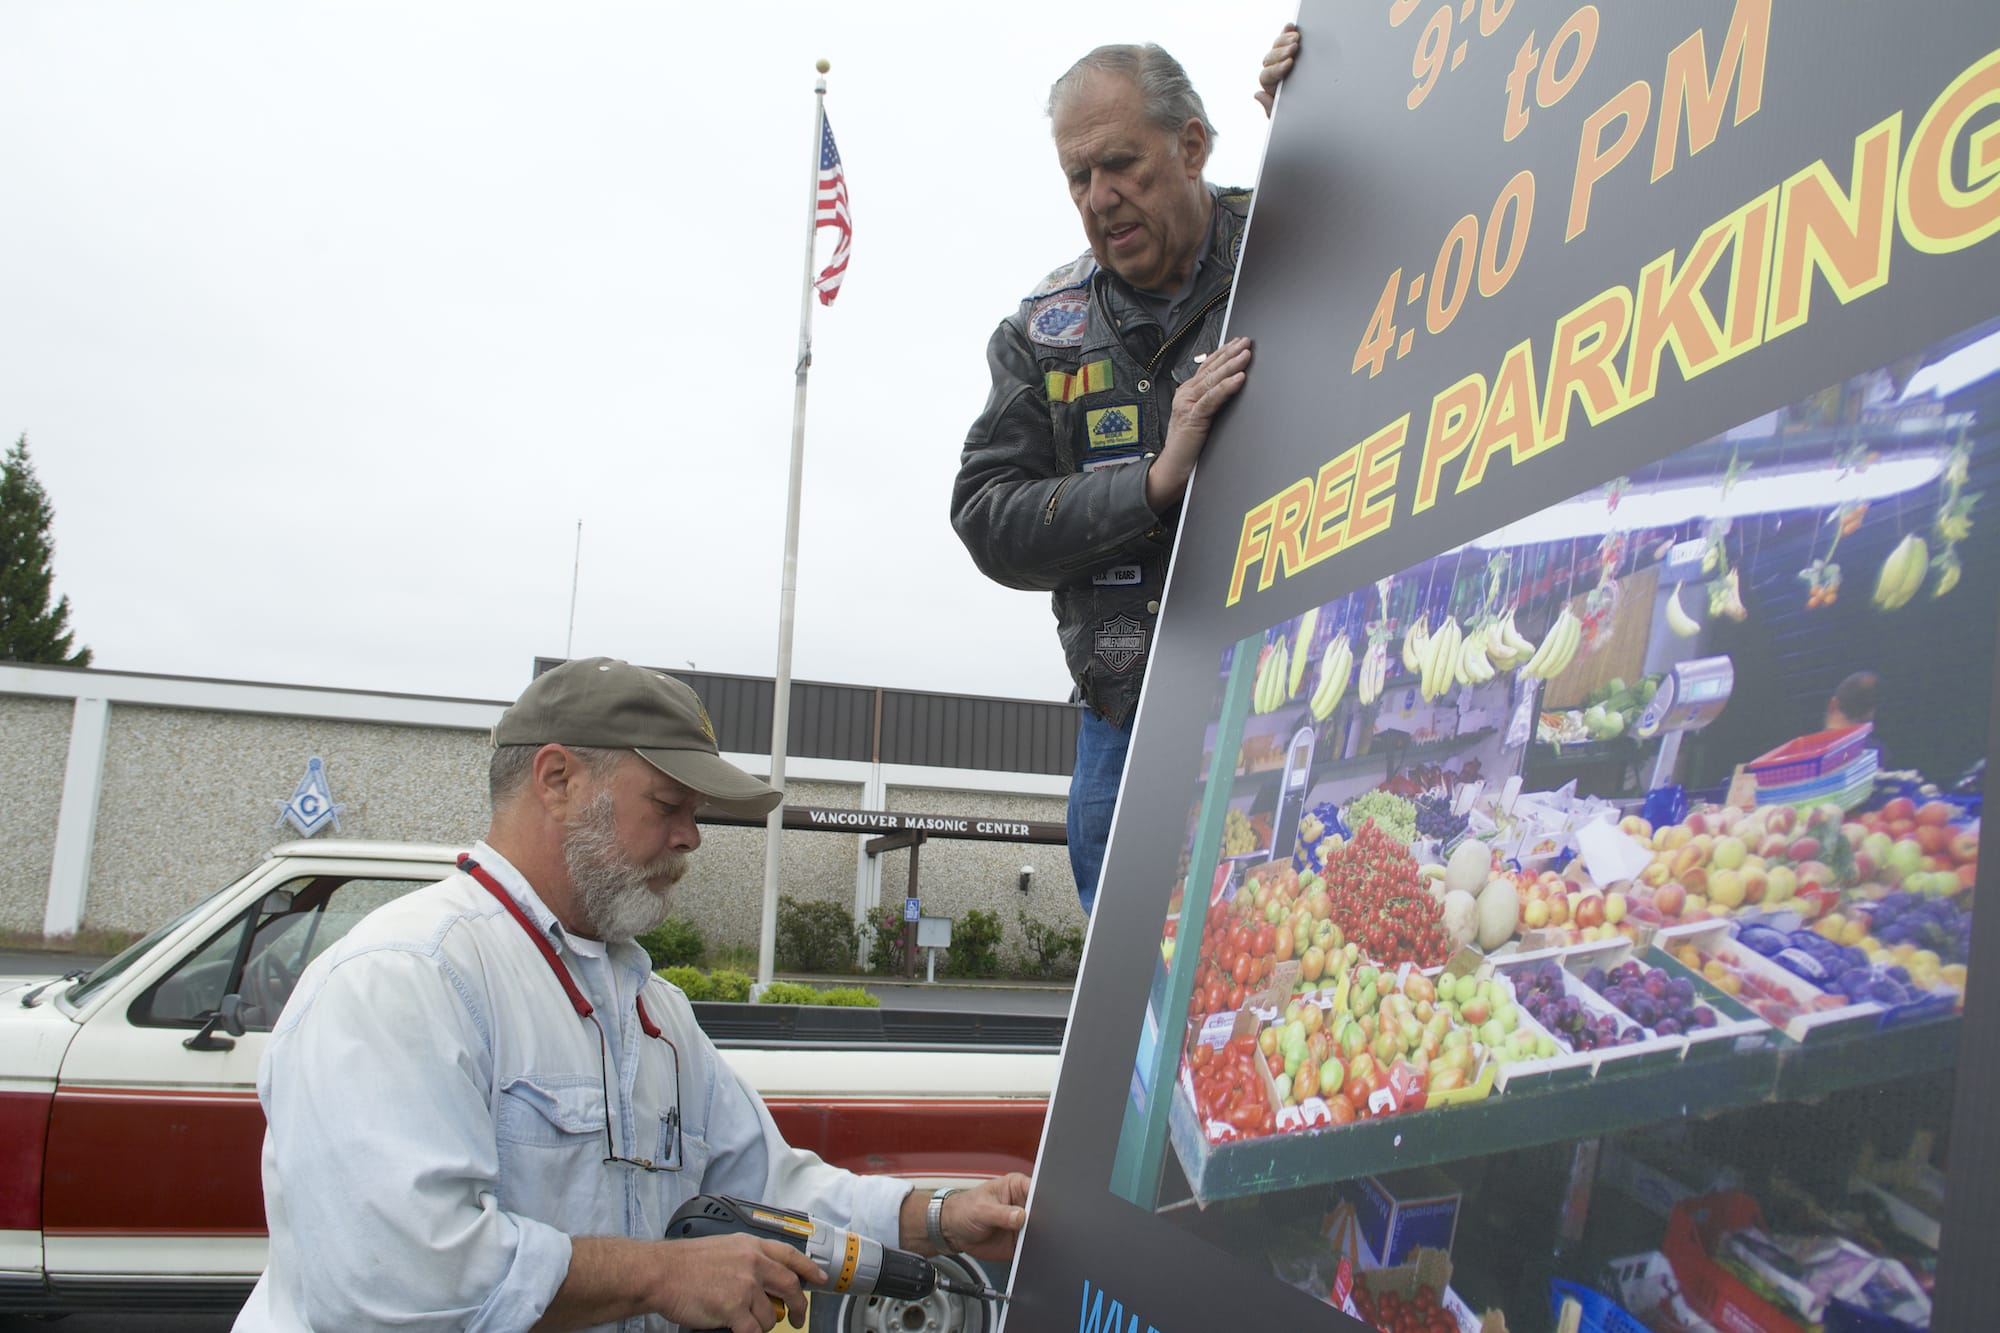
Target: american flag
<point>832,213</point>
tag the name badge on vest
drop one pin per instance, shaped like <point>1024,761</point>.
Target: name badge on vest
<point>1119,576</point>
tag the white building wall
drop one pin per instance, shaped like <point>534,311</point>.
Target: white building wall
<point>34,747</point>
<point>193,773</point>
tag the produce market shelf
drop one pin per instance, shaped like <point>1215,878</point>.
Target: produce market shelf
<point>1387,754</point>
<point>1617,1099</point>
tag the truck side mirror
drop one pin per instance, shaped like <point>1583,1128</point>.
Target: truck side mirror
<point>227,1016</point>
<point>232,1014</point>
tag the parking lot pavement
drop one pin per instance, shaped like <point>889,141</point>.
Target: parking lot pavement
<point>15,963</point>
<point>122,1323</point>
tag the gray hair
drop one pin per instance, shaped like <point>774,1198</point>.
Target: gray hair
<point>507,774</point>
<point>1170,99</point>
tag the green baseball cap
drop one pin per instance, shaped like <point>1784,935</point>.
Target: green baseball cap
<point>603,703</point>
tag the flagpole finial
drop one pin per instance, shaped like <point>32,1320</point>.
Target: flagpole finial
<point>822,65</point>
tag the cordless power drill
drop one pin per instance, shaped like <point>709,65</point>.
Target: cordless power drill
<point>853,1264</point>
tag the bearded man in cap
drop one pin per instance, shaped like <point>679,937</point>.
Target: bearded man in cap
<point>482,1105</point>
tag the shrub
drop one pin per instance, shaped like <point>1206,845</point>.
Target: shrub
<point>727,984</point>
<point>692,982</point>
<point>732,957</point>
<point>975,945</point>
<point>797,992</point>
<point>788,992</point>
<point>814,937</point>
<point>673,943</point>
<point>884,933</point>
<point>1051,951</point>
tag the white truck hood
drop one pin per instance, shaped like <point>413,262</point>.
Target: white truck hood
<point>32,1039</point>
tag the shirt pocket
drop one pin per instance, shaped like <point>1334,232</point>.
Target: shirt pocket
<point>677,1187</point>
<point>550,1132</point>
<point>693,1148</point>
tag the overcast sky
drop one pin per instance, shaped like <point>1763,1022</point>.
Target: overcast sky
<point>328,322</point>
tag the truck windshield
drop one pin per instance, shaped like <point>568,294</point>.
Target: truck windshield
<point>109,970</point>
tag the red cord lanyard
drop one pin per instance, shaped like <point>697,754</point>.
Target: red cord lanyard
<point>584,1010</point>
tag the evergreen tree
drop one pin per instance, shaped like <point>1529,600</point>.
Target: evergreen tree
<point>30,630</point>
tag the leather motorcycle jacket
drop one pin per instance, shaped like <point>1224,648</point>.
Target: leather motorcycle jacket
<point>1051,488</point>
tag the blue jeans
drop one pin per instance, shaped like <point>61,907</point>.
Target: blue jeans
<point>1093,795</point>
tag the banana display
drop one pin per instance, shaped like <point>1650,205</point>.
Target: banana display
<point>1678,620</point>
<point>1558,647</point>
<point>1307,624</point>
<point>1273,676</point>
<point>1505,648</point>
<point>1440,659</point>
<point>1902,573</point>
<point>1335,669</point>
<point>1474,666</point>
<point>1374,672</point>
<point>1414,641</point>
<point>1438,671</point>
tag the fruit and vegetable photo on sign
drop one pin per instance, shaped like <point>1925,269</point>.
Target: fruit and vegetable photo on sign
<point>1543,887</point>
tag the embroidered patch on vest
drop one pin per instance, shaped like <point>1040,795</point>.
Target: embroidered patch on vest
<point>1112,427</point>
<point>1093,377</point>
<point>1059,321</point>
<point>1119,576</point>
<point>1236,249</point>
<point>1121,641</point>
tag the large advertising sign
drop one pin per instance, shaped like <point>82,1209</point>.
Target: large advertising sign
<point>1551,829</point>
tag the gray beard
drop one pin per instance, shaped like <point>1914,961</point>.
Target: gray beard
<point>615,895</point>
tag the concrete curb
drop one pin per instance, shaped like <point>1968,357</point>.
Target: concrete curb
<point>869,981</point>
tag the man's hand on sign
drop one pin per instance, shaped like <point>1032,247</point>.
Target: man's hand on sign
<point>1195,404</point>
<point>1277,64</point>
<point>986,1220</point>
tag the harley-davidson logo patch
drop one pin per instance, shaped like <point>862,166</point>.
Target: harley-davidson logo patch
<point>1121,641</point>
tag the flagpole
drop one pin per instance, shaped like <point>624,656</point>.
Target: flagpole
<point>781,705</point>
<point>575,571</point>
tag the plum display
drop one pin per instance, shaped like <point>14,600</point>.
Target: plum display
<point>1937,924</point>
<point>1545,995</point>
<point>1844,969</point>
<point>1651,998</point>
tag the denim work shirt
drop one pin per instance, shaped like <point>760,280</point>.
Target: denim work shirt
<point>436,1122</point>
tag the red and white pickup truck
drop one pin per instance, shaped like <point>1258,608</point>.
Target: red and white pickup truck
<point>130,1130</point>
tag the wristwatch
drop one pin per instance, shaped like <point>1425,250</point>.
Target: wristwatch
<point>934,1219</point>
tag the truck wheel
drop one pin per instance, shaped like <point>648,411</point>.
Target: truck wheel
<point>939,1312</point>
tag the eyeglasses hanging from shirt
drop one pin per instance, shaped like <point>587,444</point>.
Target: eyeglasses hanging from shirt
<point>588,1011</point>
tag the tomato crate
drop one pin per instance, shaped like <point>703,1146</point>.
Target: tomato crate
<point>1427,1269</point>
<point>1809,757</point>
